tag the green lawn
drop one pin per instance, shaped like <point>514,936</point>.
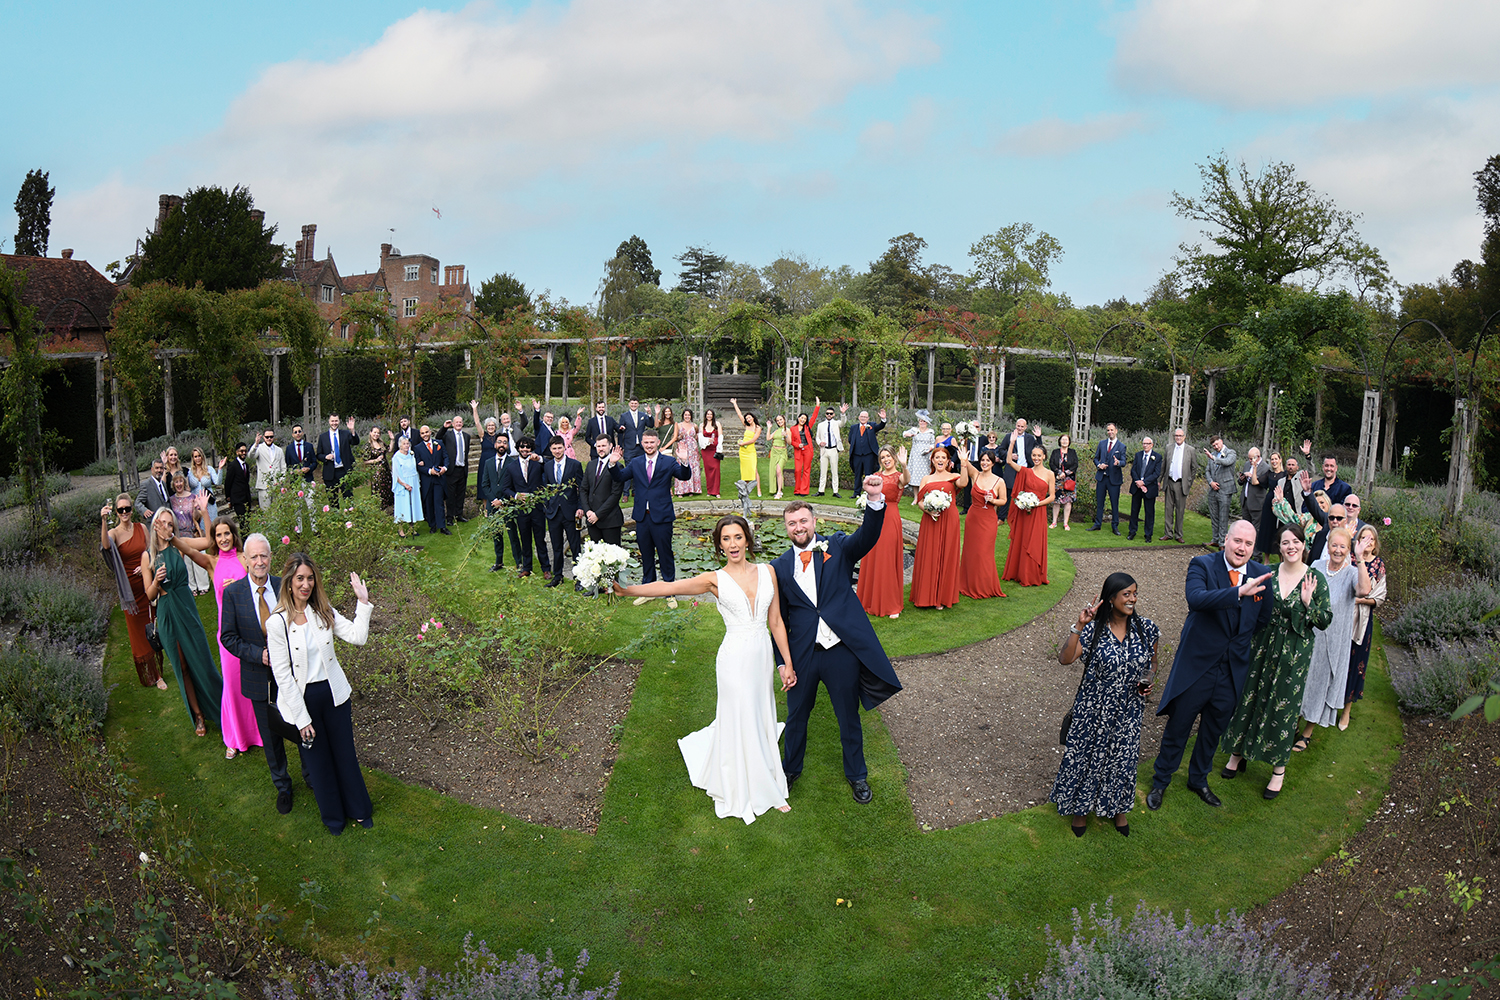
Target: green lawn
<point>680,901</point>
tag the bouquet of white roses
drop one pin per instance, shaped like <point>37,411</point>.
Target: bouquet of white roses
<point>1026,500</point>
<point>599,566</point>
<point>964,429</point>
<point>936,502</point>
<point>863,501</point>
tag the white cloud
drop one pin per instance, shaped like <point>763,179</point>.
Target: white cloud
<point>1294,53</point>
<point>507,119</point>
<point>1057,137</point>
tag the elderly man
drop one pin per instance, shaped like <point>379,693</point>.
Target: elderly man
<point>270,466</point>
<point>1181,468</point>
<point>1145,477</point>
<point>1355,523</point>
<point>1019,441</point>
<point>1255,481</point>
<point>154,492</point>
<point>456,457</point>
<point>1221,461</point>
<point>864,445</point>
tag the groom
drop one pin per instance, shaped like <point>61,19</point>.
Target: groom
<point>829,634</point>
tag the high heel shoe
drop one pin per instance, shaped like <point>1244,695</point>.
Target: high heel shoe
<point>1269,793</point>
<point>1232,772</point>
<point>1122,829</point>
<point>1079,831</point>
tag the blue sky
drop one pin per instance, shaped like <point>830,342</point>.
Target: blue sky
<point>546,133</point>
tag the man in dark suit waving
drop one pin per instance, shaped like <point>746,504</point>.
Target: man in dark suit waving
<point>247,604</point>
<point>864,445</point>
<point>1227,603</point>
<point>600,497</point>
<point>1020,441</point>
<point>829,635</point>
<point>652,475</point>
<point>1109,466</point>
<point>336,452</point>
<point>561,508</point>
<point>1145,477</point>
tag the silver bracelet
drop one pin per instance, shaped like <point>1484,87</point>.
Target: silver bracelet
<point>1074,630</point>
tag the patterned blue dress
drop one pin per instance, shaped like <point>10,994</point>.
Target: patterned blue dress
<point>1104,742</point>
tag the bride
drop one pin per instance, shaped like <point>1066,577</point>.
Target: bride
<point>735,759</point>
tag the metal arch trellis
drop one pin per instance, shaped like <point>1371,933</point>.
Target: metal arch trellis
<point>1083,378</point>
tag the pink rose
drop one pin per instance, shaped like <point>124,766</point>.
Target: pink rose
<point>348,524</point>
<point>325,508</point>
<point>1386,521</point>
<point>424,626</point>
<point>285,540</point>
<point>298,529</point>
<point>300,493</point>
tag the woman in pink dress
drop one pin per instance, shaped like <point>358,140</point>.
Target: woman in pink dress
<point>685,434</point>
<point>236,714</point>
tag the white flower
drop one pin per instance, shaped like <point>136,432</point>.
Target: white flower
<point>1026,500</point>
<point>936,502</point>
<point>863,501</point>
<point>145,858</point>
<point>819,546</point>
<point>599,565</point>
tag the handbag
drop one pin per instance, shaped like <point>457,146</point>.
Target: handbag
<point>153,638</point>
<point>1070,485</point>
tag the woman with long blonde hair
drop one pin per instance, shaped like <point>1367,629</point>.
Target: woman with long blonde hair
<point>164,570</point>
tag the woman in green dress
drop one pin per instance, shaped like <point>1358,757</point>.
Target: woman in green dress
<point>178,624</point>
<point>777,457</point>
<point>1265,723</point>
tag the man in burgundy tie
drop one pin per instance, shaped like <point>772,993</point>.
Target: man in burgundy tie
<point>652,475</point>
<point>300,456</point>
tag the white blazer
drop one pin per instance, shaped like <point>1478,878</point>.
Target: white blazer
<point>290,665</point>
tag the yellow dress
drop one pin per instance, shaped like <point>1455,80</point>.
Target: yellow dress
<point>748,469</point>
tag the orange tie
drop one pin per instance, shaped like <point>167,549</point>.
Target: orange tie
<point>1234,578</point>
<point>806,559</point>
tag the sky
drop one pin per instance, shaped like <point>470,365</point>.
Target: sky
<point>533,138</point>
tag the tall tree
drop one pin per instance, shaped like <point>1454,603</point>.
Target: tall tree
<point>898,283</point>
<point>799,284</point>
<point>1015,260</point>
<point>1487,186</point>
<point>34,215</point>
<point>500,295</point>
<point>638,253</point>
<point>702,272</point>
<point>21,403</point>
<point>617,290</point>
<point>213,238</point>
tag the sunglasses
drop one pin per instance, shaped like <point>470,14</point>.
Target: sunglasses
<point>1334,517</point>
<point>124,510</point>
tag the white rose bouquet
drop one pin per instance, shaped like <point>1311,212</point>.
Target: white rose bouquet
<point>936,502</point>
<point>863,501</point>
<point>599,566</point>
<point>1027,500</point>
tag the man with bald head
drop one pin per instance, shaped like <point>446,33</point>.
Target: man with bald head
<point>1227,602</point>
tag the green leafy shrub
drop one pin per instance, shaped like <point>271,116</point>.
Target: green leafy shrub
<point>13,491</point>
<point>50,689</point>
<point>1437,680</point>
<point>1476,546</point>
<point>342,536</point>
<point>1044,391</point>
<point>53,605</point>
<point>1448,613</point>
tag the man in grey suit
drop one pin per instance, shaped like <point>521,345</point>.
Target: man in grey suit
<point>153,493</point>
<point>1221,462</point>
<point>1177,479</point>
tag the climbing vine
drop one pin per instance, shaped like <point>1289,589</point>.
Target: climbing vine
<point>21,395</point>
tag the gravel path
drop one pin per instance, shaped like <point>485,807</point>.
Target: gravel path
<point>976,727</point>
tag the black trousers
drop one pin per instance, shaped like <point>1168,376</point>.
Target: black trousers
<point>499,539</point>
<point>1136,500</point>
<point>1211,701</point>
<point>563,525</point>
<point>337,782</point>
<point>275,748</point>
<point>1113,489</point>
<point>528,533</point>
<point>432,502</point>
<point>655,541</point>
<point>838,671</point>
<point>599,533</point>
<point>334,481</point>
<point>457,491</point>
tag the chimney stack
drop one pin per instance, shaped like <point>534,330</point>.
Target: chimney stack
<point>309,233</point>
<point>164,206</point>
<point>385,250</point>
<point>68,254</point>
<point>258,216</point>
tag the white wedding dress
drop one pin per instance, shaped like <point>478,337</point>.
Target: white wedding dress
<point>735,759</point>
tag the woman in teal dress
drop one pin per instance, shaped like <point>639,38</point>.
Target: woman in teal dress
<point>1264,726</point>
<point>178,624</point>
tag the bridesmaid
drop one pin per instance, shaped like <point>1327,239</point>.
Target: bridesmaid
<point>1026,562</point>
<point>934,575</point>
<point>122,547</point>
<point>882,572</point>
<point>685,436</point>
<point>220,546</point>
<point>406,488</point>
<point>978,576</point>
<point>748,460</point>
<point>178,623</point>
<point>711,440</point>
<point>922,443</point>
<point>777,456</point>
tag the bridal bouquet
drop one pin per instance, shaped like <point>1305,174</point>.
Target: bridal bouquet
<point>936,502</point>
<point>599,566</point>
<point>964,429</point>
<point>863,501</point>
<point>1026,500</point>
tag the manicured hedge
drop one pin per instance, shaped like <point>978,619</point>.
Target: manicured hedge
<point>1133,398</point>
<point>1043,392</point>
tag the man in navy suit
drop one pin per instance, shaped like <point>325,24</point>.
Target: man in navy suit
<point>561,509</point>
<point>1109,463</point>
<point>1022,441</point>
<point>652,475</point>
<point>491,480</point>
<point>632,424</point>
<point>1227,602</point>
<point>602,423</point>
<point>864,445</point>
<point>1145,477</point>
<point>247,604</point>
<point>830,636</point>
<point>300,457</point>
<point>336,452</point>
<point>528,528</point>
<point>430,469</point>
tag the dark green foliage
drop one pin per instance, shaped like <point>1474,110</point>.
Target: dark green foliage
<point>354,385</point>
<point>1044,392</point>
<point>898,283</point>
<point>702,272</point>
<point>1133,398</point>
<point>501,294</point>
<point>49,689</point>
<point>437,381</point>
<point>638,253</point>
<point>34,215</point>
<point>212,238</point>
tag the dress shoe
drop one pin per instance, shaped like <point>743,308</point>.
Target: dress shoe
<point>523,574</point>
<point>1115,530</point>
<point>445,531</point>
<point>1148,539</point>
<point>642,600</point>
<point>1130,537</point>
<point>368,822</point>
<point>1124,830</point>
<point>553,582</point>
<point>461,520</point>
<point>820,494</point>
<point>672,603</point>
<point>284,802</point>
<point>1153,798</point>
<point>1093,528</point>
<point>861,789</point>
<point>1268,793</point>
<point>578,589</point>
<point>1079,831</point>
<point>791,779</point>
<point>1207,795</point>
<point>496,568</point>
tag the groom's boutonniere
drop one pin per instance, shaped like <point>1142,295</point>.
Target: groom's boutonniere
<point>821,546</point>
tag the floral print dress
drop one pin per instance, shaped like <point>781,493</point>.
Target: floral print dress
<point>1264,726</point>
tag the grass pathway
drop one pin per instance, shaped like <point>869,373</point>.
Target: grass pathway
<point>680,901</point>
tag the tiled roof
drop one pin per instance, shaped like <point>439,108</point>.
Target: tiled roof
<point>363,282</point>
<point>52,281</point>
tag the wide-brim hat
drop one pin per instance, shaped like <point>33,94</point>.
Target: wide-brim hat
<point>924,415</point>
